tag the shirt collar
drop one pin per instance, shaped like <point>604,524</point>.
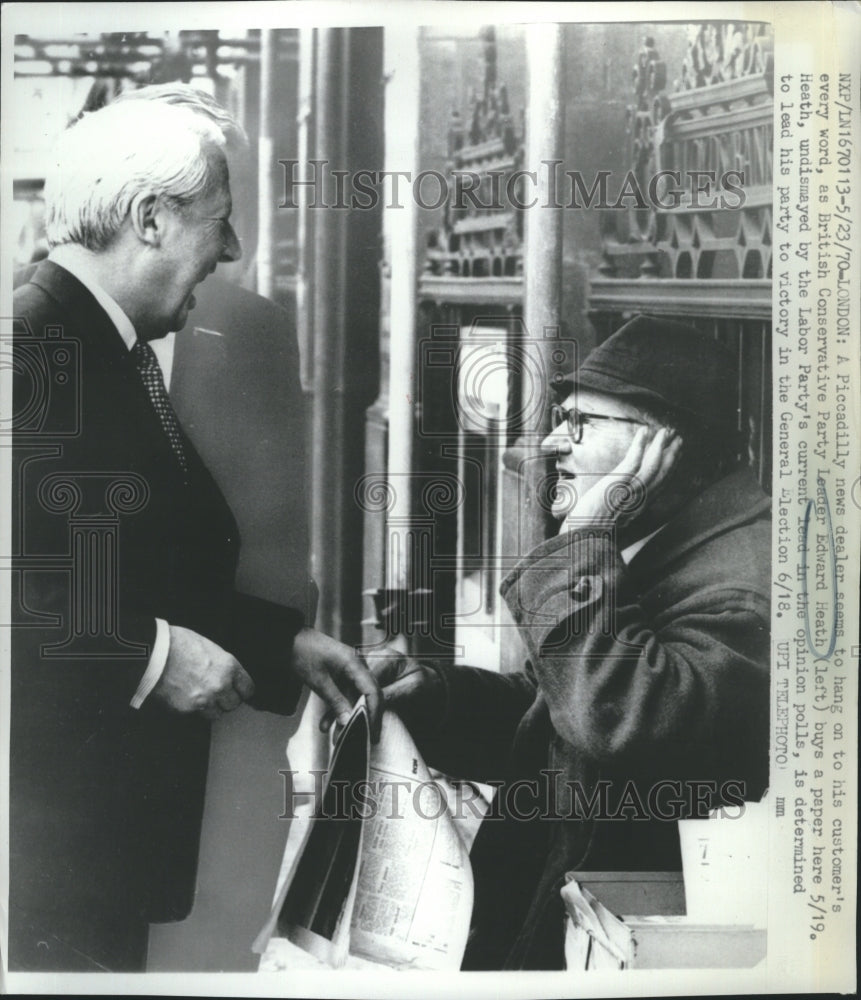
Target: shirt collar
<point>84,273</point>
<point>628,553</point>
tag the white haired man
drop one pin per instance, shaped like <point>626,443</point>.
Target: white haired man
<point>137,638</point>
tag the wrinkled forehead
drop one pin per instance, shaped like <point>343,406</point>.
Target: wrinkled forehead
<point>243,184</point>
<point>217,197</point>
<point>218,165</point>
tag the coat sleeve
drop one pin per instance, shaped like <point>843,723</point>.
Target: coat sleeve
<point>483,709</point>
<point>681,693</point>
<point>68,631</point>
<point>260,636</point>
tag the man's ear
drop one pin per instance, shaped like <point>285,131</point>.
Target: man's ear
<point>147,219</point>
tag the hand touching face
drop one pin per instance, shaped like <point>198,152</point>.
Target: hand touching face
<point>606,452</point>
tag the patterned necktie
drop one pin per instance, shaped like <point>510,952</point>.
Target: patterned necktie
<point>150,372</point>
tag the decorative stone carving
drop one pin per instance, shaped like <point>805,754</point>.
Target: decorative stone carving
<point>719,119</point>
<point>482,231</point>
<point>718,52</point>
<point>707,260</point>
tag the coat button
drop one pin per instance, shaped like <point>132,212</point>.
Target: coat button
<point>583,590</point>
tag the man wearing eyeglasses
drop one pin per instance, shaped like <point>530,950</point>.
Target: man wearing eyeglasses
<point>644,698</point>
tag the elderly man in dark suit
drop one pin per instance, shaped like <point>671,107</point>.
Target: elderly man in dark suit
<point>645,698</point>
<point>132,635</point>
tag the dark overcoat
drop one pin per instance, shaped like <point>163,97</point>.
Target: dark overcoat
<point>646,688</point>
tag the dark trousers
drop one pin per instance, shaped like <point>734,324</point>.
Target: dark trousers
<point>82,942</point>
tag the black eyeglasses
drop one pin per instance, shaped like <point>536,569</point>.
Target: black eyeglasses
<point>577,418</point>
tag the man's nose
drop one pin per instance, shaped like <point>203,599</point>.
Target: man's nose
<point>232,247</point>
<point>557,442</point>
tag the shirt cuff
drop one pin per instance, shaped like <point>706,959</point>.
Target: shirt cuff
<point>155,667</point>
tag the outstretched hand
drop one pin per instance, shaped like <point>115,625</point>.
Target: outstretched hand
<point>338,675</point>
<point>644,469</point>
<point>411,688</point>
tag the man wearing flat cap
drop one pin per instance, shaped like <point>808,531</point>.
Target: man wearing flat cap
<point>644,698</point>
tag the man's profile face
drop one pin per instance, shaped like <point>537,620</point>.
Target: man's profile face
<point>198,237</point>
<point>243,188</point>
<point>603,445</point>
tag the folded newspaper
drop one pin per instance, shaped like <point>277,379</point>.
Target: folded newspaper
<point>381,874</point>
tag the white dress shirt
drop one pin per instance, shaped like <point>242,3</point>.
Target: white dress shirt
<point>74,265</point>
<point>628,553</point>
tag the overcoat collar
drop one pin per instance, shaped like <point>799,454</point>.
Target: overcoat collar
<point>730,502</point>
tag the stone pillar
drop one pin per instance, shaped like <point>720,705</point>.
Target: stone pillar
<point>524,478</point>
<point>389,544</point>
<point>265,165</point>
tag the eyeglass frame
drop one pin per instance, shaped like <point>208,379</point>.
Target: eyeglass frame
<point>559,415</point>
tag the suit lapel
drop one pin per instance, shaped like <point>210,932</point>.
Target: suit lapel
<point>88,318</point>
<point>107,353</point>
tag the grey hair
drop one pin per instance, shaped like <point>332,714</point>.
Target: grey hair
<point>184,95</point>
<point>124,151</point>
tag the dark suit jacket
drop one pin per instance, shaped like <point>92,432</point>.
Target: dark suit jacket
<point>106,801</point>
<point>677,689</point>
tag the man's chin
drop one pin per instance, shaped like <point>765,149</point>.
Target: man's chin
<point>180,320</point>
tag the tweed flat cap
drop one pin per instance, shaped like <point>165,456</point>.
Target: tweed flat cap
<point>669,363</point>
